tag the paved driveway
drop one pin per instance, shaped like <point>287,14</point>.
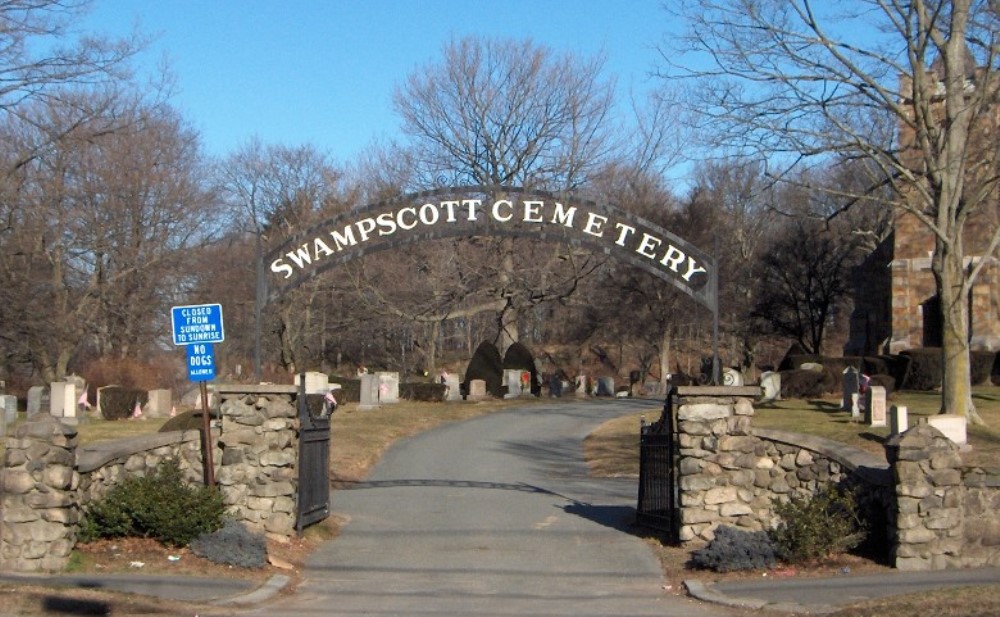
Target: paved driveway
<point>494,516</point>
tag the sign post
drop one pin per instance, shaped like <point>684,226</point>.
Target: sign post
<point>199,327</point>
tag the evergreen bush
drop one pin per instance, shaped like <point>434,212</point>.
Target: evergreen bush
<point>118,403</point>
<point>812,528</point>
<point>487,365</point>
<point>736,549</point>
<point>926,370</point>
<point>159,506</point>
<point>233,544</point>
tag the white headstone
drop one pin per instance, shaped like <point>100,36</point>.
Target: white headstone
<point>856,406</point>
<point>581,385</point>
<point>57,398</point>
<point>388,387</point>
<point>9,408</point>
<point>770,383</point>
<point>316,382</point>
<point>477,389</point>
<point>70,399</point>
<point>898,420</point>
<point>454,387</point>
<point>369,391</point>
<point>952,425</point>
<point>851,383</point>
<point>160,403</point>
<point>512,379</point>
<point>731,377</point>
<point>875,407</point>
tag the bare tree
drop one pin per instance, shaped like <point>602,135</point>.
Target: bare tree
<point>99,223</point>
<point>499,112</point>
<point>802,83</point>
<point>272,191</point>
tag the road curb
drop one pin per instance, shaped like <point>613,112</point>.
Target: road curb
<point>268,590</point>
<point>707,593</point>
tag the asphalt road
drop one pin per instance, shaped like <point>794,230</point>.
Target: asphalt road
<point>494,516</point>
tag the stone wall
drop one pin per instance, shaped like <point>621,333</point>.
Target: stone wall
<point>731,474</point>
<point>946,512</point>
<point>929,510</point>
<point>39,483</point>
<point>47,481</point>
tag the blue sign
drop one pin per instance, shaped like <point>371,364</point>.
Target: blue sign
<point>199,323</point>
<point>201,362</point>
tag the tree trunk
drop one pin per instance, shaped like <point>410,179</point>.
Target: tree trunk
<point>665,342</point>
<point>956,390</point>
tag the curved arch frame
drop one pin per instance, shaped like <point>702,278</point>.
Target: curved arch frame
<point>492,211</point>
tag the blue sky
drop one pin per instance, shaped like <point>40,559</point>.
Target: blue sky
<point>322,72</point>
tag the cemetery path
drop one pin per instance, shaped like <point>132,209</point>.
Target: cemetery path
<point>494,516</point>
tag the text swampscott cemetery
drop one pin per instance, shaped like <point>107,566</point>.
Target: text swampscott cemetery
<point>648,244</point>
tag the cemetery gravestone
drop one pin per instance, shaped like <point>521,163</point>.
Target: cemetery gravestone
<point>453,387</point>
<point>581,385</point>
<point>369,391</point>
<point>388,387</point>
<point>477,389</point>
<point>898,421</point>
<point>9,408</point>
<point>875,407</point>
<point>160,403</point>
<point>57,398</point>
<point>732,378</point>
<point>953,426</point>
<point>512,379</point>
<point>851,385</point>
<point>38,400</point>
<point>316,383</point>
<point>770,383</point>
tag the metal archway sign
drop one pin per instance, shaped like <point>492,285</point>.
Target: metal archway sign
<point>490,211</point>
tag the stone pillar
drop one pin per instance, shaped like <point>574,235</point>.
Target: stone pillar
<point>717,461</point>
<point>926,467</point>
<point>40,510</point>
<point>259,442</point>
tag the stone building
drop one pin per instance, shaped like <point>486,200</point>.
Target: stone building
<point>896,306</point>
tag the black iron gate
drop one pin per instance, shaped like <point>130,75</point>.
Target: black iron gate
<point>314,459</point>
<point>658,491</point>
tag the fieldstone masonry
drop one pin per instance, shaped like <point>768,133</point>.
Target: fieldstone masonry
<point>40,511</point>
<point>732,474</point>
<point>946,514</point>
<point>258,475</point>
<point>47,482</point>
<point>933,512</point>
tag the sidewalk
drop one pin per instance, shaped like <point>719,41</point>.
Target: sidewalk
<point>826,595</point>
<point>169,587</point>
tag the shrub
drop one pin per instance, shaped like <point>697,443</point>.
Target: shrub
<point>736,549</point>
<point>118,403</point>
<point>982,366</point>
<point>815,527</point>
<point>232,545</point>
<point>886,381</point>
<point>895,366</point>
<point>487,365</point>
<point>806,384</point>
<point>519,357</point>
<point>159,506</point>
<point>421,391</point>
<point>925,369</point>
